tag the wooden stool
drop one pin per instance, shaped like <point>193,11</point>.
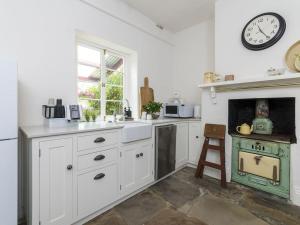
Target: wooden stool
<point>213,131</point>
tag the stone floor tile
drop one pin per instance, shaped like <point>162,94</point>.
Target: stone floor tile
<point>140,208</point>
<point>175,191</point>
<point>109,218</point>
<point>218,211</point>
<point>172,217</point>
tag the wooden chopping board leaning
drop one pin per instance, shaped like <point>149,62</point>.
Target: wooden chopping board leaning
<point>146,93</point>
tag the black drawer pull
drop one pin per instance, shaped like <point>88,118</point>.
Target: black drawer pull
<point>99,176</point>
<point>99,140</point>
<point>99,157</point>
<point>137,155</point>
<point>197,137</point>
<point>141,154</point>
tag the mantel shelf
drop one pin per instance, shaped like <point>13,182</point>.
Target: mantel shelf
<point>291,79</point>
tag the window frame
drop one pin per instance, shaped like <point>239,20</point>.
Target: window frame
<point>103,72</point>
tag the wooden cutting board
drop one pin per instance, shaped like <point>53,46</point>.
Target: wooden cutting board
<point>146,93</point>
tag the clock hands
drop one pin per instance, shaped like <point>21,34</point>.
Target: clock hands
<point>261,31</point>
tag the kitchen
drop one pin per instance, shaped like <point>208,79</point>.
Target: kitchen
<point>112,99</point>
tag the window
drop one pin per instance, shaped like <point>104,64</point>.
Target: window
<point>100,80</point>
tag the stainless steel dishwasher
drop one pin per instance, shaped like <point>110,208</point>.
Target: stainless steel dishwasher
<point>165,150</point>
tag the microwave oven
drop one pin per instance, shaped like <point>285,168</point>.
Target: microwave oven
<point>178,110</point>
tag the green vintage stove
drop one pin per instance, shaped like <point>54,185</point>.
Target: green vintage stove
<point>264,165</point>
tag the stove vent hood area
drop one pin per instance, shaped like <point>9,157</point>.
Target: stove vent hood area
<point>281,113</point>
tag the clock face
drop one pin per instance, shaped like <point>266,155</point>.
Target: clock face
<point>263,31</point>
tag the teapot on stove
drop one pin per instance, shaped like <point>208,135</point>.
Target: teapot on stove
<point>244,129</point>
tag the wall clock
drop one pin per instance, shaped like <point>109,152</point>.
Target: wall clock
<point>263,31</point>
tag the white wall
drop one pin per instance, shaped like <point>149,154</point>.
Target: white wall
<point>41,36</point>
<point>232,57</point>
<point>193,55</point>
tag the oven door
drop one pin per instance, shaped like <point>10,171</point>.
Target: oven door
<point>260,165</point>
<point>171,111</point>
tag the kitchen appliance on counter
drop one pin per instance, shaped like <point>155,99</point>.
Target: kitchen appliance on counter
<point>165,150</point>
<point>73,112</point>
<point>54,111</point>
<point>8,144</point>
<point>197,111</point>
<point>178,110</point>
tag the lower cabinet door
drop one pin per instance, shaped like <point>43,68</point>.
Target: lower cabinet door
<point>97,189</point>
<point>127,170</point>
<point>195,142</point>
<point>137,165</point>
<point>182,144</point>
<point>144,169</point>
<point>56,180</point>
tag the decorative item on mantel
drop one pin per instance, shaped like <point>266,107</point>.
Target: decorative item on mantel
<point>292,58</point>
<point>211,77</point>
<point>276,72</point>
<point>229,77</point>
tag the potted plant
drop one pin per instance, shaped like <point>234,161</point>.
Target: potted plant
<point>153,108</point>
<point>87,115</point>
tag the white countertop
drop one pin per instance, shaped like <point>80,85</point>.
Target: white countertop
<point>73,128</point>
<point>169,120</point>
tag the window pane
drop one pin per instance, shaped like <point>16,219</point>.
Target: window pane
<point>89,94</point>
<point>114,93</point>
<point>91,104</point>
<point>88,56</point>
<point>89,90</point>
<point>114,78</point>
<point>114,106</point>
<point>88,73</point>
<point>113,62</point>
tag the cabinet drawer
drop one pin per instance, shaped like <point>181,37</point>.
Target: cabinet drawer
<point>97,158</point>
<point>97,139</point>
<point>97,189</point>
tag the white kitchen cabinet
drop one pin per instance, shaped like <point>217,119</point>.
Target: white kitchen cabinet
<point>137,165</point>
<point>182,144</point>
<point>97,189</point>
<point>195,141</point>
<point>56,181</point>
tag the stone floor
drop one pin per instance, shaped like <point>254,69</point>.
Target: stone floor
<point>184,200</point>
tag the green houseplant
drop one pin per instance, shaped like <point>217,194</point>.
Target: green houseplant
<point>153,108</point>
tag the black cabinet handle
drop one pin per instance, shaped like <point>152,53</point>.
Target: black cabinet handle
<point>99,140</point>
<point>99,176</point>
<point>137,155</point>
<point>197,137</point>
<point>69,167</point>
<point>99,157</point>
<point>141,154</point>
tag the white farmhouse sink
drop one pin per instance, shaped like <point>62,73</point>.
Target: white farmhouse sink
<point>134,131</point>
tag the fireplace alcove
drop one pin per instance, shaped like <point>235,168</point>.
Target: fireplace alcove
<point>282,114</point>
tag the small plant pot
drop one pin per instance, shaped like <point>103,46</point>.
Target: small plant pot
<point>155,116</point>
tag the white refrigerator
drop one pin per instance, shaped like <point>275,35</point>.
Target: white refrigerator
<point>8,143</point>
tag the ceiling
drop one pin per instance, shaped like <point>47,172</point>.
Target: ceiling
<point>175,15</point>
